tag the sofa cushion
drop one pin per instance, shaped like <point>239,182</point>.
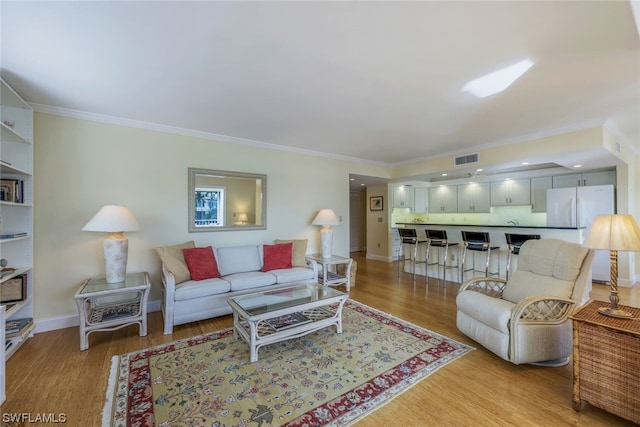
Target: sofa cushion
<point>238,259</point>
<point>201,262</point>
<point>276,256</point>
<point>298,253</point>
<point>173,259</point>
<point>201,288</point>
<point>493,312</point>
<point>295,274</point>
<point>250,280</point>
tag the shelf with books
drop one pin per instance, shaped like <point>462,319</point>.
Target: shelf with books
<point>17,180</point>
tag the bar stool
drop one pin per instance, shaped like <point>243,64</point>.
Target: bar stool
<point>479,242</point>
<point>438,239</point>
<point>409,236</point>
<point>514,241</point>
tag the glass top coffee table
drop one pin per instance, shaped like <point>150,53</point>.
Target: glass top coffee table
<point>277,315</point>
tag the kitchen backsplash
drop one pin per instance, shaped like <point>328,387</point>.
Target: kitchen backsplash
<point>499,215</point>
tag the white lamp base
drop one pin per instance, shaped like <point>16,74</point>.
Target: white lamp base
<point>116,248</point>
<point>326,239</point>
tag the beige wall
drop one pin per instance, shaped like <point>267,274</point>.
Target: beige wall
<point>82,165</point>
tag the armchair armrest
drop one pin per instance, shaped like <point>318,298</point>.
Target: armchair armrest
<point>542,310</point>
<point>491,286</point>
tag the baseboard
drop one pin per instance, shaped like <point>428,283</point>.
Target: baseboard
<point>72,320</point>
<point>379,258</point>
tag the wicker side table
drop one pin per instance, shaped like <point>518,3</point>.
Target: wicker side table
<point>606,361</point>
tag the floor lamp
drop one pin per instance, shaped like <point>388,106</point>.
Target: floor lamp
<point>326,218</point>
<point>616,232</point>
<point>114,220</point>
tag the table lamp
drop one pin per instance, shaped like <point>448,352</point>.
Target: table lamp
<point>114,220</point>
<point>243,218</point>
<point>326,218</point>
<point>615,232</point>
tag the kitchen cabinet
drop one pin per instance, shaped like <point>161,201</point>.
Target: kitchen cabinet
<point>443,198</point>
<point>511,192</point>
<point>403,197</point>
<point>585,179</point>
<point>539,187</point>
<point>421,200</point>
<point>474,197</point>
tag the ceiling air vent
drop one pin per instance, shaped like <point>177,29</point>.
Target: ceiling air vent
<point>465,160</point>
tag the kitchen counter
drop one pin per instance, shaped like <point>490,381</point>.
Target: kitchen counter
<point>492,226</point>
<point>496,234</point>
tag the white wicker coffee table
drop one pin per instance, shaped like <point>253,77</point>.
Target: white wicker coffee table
<point>277,315</point>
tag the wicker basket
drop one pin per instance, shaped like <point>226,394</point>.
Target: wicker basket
<point>342,269</point>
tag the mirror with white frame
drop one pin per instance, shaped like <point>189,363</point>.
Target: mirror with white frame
<point>226,201</point>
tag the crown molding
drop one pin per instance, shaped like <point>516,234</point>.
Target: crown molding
<point>120,121</point>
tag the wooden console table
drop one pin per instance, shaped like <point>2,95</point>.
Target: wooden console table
<point>606,361</point>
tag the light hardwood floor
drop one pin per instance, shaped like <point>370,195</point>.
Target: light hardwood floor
<point>49,374</point>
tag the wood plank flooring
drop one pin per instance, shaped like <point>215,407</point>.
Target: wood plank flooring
<point>50,375</point>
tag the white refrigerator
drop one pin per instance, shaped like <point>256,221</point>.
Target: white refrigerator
<point>577,207</point>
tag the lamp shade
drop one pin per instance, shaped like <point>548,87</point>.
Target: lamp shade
<point>243,217</point>
<point>326,217</point>
<point>111,219</point>
<point>616,232</point>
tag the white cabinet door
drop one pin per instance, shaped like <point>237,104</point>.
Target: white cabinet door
<point>421,200</point>
<point>511,192</point>
<point>585,179</point>
<point>403,197</point>
<point>474,198</point>
<point>443,199</point>
<point>539,187</point>
<point>599,178</point>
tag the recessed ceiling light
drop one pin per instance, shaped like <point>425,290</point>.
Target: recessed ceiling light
<point>478,170</point>
<point>524,163</point>
<point>362,185</point>
<point>444,174</point>
<point>352,179</point>
<point>497,81</point>
<point>577,166</point>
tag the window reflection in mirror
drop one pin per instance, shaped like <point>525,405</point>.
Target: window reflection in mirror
<point>224,200</point>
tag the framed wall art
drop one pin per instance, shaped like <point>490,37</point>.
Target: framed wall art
<point>376,203</point>
<point>14,289</point>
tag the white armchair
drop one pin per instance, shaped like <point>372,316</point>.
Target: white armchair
<point>526,319</point>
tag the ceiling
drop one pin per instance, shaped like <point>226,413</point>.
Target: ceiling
<point>375,81</point>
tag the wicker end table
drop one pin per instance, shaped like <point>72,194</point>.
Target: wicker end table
<point>606,357</point>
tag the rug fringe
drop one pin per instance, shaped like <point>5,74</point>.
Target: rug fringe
<point>111,391</point>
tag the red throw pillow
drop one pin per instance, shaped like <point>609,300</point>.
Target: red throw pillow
<point>277,256</point>
<point>201,262</point>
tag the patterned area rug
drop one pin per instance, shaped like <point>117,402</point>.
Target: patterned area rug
<point>320,379</point>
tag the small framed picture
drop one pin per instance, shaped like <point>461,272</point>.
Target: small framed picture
<point>14,289</point>
<point>375,203</point>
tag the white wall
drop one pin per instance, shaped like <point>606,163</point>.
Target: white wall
<point>82,165</point>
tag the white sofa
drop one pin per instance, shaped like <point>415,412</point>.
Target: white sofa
<point>526,319</point>
<point>185,300</point>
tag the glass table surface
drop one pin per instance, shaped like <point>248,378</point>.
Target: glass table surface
<point>268,301</point>
<point>100,284</point>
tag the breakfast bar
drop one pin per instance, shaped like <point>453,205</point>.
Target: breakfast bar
<point>497,237</point>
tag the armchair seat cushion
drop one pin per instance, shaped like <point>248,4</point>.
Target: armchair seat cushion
<point>490,311</point>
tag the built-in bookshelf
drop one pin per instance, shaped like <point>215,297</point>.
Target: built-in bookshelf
<point>16,221</point>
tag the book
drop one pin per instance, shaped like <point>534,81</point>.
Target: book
<point>12,235</point>
<point>287,321</point>
<point>14,327</point>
